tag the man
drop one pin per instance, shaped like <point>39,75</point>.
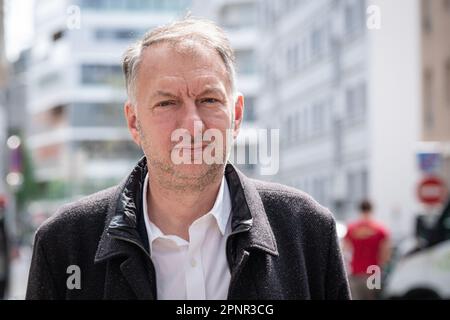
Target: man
<point>368,242</point>
<point>181,230</point>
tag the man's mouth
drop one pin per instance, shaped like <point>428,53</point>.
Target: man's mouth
<point>191,148</point>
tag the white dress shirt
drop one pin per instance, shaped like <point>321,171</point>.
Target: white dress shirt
<point>197,269</point>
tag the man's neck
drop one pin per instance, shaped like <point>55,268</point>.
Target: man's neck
<point>174,211</point>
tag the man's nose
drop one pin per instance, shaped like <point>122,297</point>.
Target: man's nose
<point>191,119</point>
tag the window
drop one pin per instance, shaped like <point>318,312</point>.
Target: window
<point>363,97</point>
<point>429,102</point>
<point>355,16</point>
<point>306,122</point>
<point>337,141</point>
<point>245,62</point>
<point>94,74</point>
<point>447,82</point>
<point>297,126</point>
<point>447,5</point>
<point>117,34</point>
<point>319,189</point>
<point>238,15</point>
<point>249,109</point>
<point>427,16</point>
<point>357,187</point>
<point>316,42</point>
<point>364,184</point>
<point>301,125</point>
<point>352,188</point>
<point>293,57</point>
<point>303,54</point>
<point>356,100</point>
<point>318,118</point>
<point>362,14</point>
<point>306,185</point>
<point>97,115</point>
<point>294,127</point>
<point>350,101</point>
<point>350,18</point>
<point>290,5</point>
<point>266,6</point>
<point>49,79</point>
<point>289,129</point>
<point>109,149</point>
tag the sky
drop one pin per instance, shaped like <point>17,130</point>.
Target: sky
<point>18,26</point>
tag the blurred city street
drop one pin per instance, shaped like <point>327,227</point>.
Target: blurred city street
<point>19,274</point>
<point>357,91</point>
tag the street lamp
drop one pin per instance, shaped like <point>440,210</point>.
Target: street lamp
<point>15,177</point>
<point>13,142</point>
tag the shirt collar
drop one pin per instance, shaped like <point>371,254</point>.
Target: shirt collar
<point>248,214</point>
<point>220,211</point>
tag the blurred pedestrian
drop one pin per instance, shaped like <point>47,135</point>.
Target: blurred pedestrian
<point>369,244</point>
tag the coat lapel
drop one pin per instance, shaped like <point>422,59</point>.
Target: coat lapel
<point>128,267</point>
<point>129,271</point>
<point>251,232</point>
<point>248,213</point>
<point>137,274</point>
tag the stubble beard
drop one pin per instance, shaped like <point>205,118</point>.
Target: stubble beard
<point>169,177</point>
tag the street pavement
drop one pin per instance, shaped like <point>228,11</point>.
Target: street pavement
<point>19,274</point>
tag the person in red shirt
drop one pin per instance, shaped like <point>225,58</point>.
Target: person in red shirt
<point>368,242</point>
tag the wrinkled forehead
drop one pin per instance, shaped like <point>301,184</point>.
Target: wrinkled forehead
<point>183,58</point>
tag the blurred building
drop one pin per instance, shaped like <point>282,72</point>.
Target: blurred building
<point>3,61</point>
<point>341,80</point>
<point>16,92</point>
<point>435,47</point>
<point>77,132</point>
<point>3,121</point>
<point>239,20</point>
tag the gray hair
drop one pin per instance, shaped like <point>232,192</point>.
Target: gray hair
<point>198,30</point>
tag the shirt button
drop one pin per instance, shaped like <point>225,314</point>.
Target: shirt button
<point>193,263</point>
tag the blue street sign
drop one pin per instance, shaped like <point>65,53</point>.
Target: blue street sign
<point>429,162</point>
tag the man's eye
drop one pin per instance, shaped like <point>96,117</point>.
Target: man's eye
<point>165,103</point>
<point>209,100</point>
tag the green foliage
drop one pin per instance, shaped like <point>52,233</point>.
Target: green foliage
<point>29,189</point>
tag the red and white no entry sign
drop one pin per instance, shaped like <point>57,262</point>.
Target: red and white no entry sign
<point>432,190</point>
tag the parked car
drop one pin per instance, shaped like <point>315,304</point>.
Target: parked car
<point>424,271</point>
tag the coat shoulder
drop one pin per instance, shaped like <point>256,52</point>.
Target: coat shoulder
<point>292,203</point>
<point>87,213</point>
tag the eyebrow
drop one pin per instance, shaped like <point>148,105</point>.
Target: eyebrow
<point>212,91</point>
<point>166,94</point>
<point>160,93</point>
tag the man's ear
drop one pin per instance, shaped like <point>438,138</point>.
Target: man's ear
<point>132,123</point>
<point>238,114</point>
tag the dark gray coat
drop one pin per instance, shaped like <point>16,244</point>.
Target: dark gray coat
<point>283,245</point>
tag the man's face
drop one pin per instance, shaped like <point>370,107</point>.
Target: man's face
<point>183,86</point>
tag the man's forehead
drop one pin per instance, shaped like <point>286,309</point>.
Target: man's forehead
<point>163,55</point>
<point>195,80</point>
<point>163,65</point>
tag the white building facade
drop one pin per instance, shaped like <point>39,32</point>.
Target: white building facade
<point>341,81</point>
